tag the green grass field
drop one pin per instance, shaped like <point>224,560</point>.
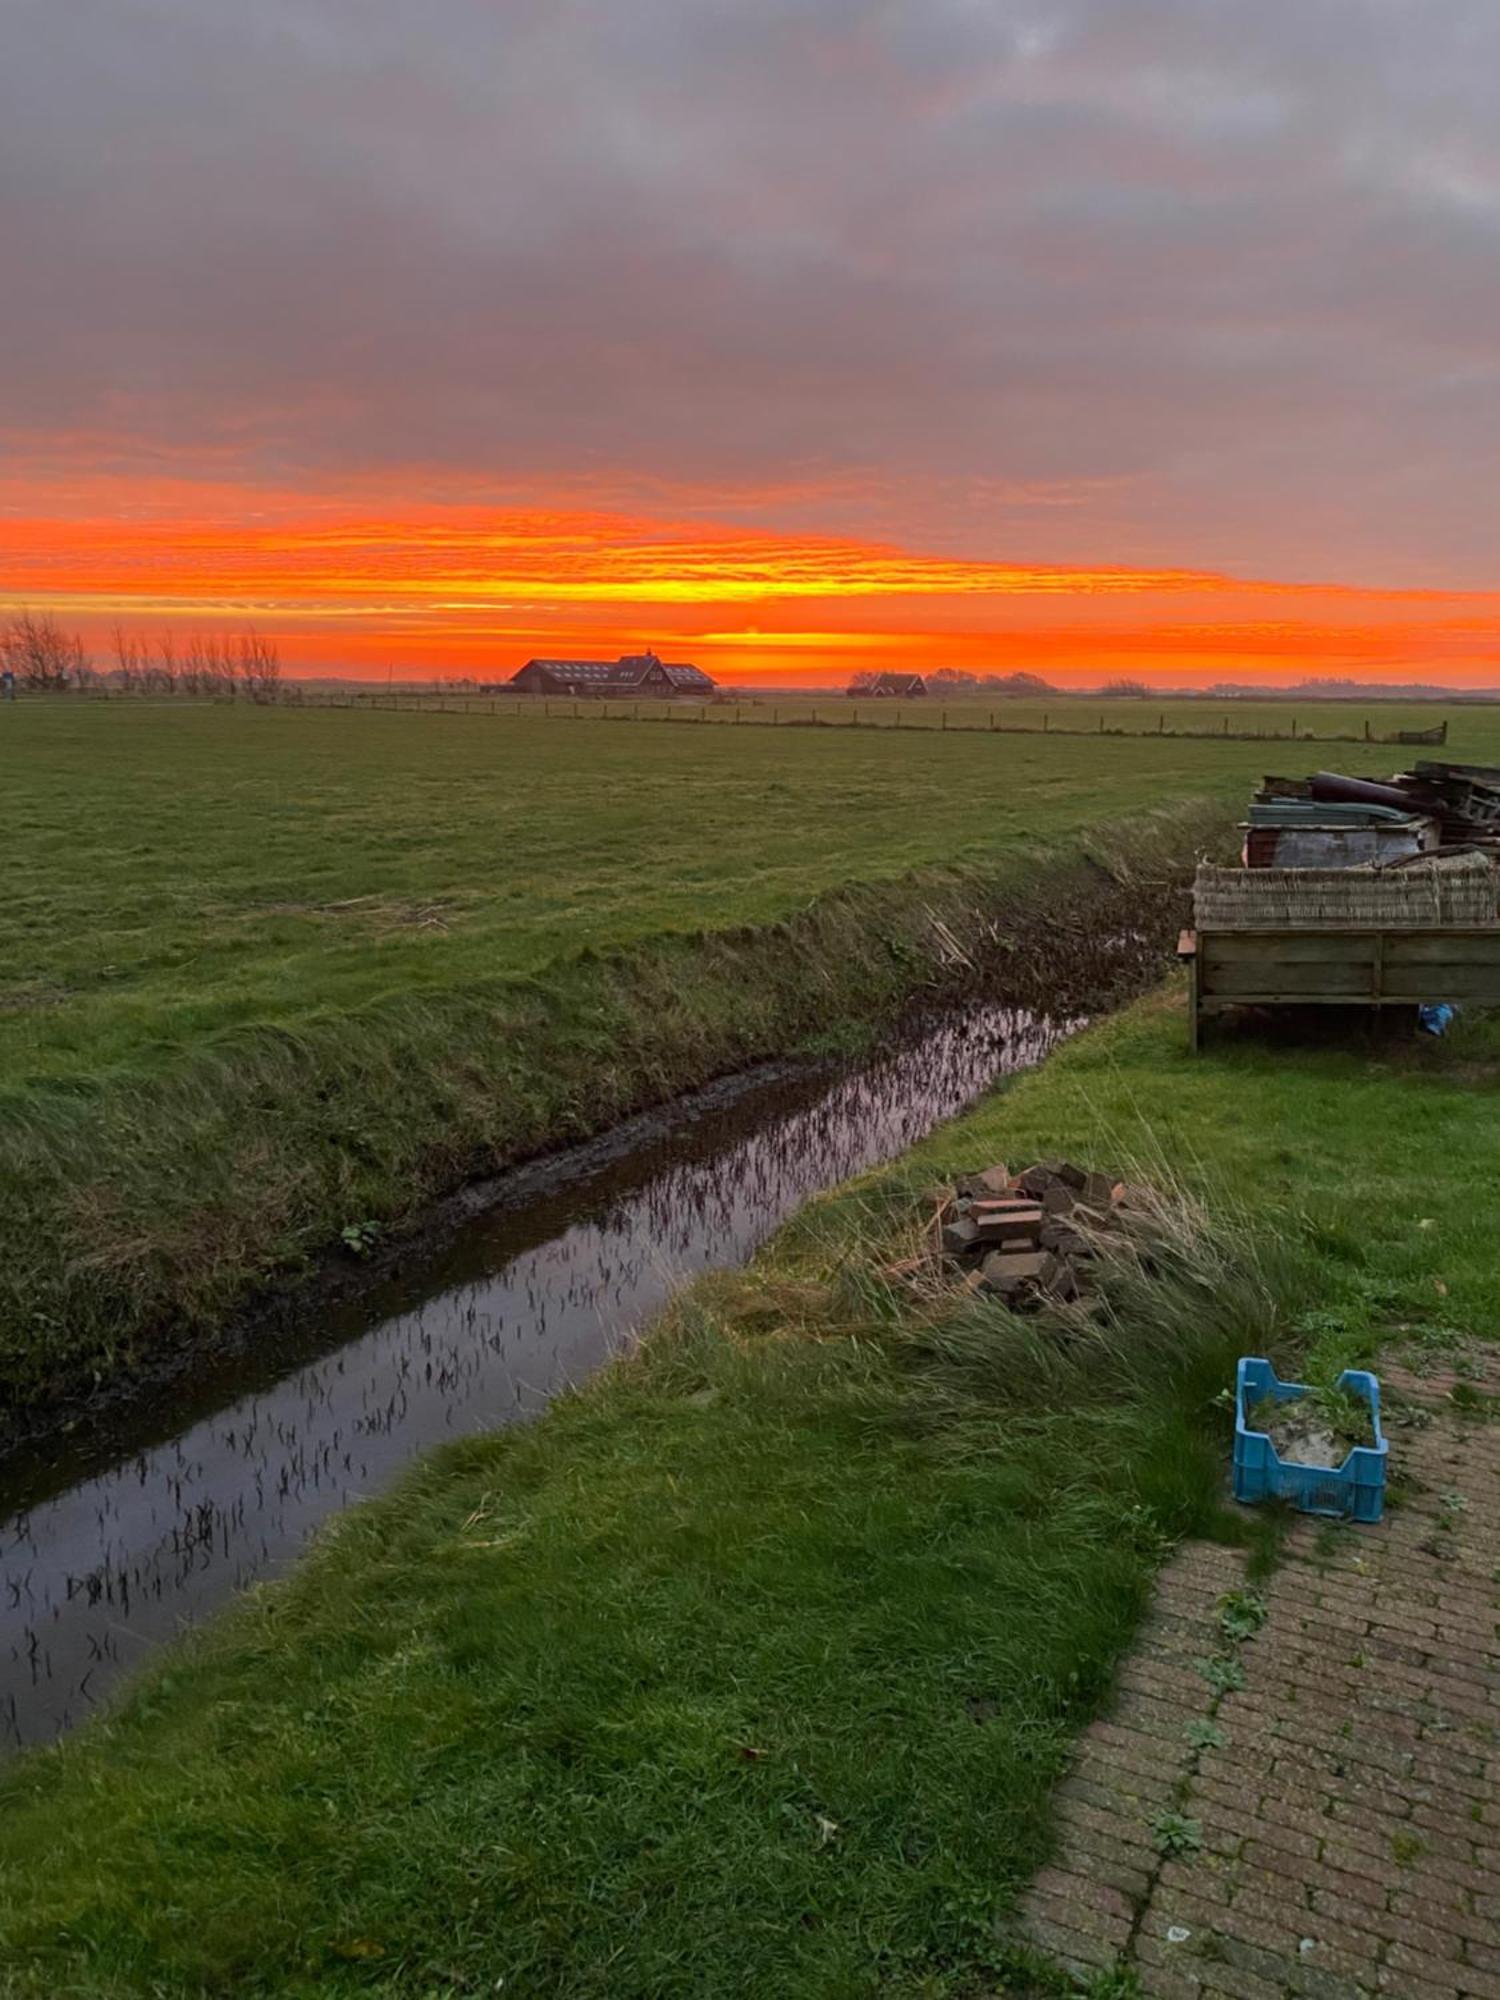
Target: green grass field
<point>747,1670</point>
<point>271,973</point>
<point>1315,721</point>
<point>175,872</point>
<point>268,973</point>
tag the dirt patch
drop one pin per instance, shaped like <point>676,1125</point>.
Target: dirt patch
<point>22,999</point>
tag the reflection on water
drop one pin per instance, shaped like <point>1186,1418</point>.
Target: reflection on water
<point>121,1555</point>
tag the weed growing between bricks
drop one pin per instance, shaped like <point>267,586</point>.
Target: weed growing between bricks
<point>1240,1615</point>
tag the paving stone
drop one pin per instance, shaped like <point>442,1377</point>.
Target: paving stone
<point>1081,1957</point>
<point>1110,1934</point>
<point>1316,1982</point>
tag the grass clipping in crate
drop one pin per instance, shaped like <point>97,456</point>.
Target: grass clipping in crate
<point>1451,891</point>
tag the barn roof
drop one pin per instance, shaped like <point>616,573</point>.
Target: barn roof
<point>579,670</point>
<point>629,669</point>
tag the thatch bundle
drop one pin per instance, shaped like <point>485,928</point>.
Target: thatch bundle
<point>1454,892</point>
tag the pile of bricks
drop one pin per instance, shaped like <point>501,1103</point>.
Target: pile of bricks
<point>1032,1237</point>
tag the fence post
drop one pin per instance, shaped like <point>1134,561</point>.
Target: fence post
<point>1046,722</point>
<point>1161,725</point>
<point>1367,729</point>
<point>1294,728</point>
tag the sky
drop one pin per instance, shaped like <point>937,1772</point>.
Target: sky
<point>1086,337</point>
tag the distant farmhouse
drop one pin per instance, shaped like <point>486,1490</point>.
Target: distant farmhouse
<point>631,674</point>
<point>886,687</point>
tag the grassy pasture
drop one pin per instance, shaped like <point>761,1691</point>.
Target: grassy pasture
<point>174,872</point>
<point>747,1670</point>
<point>267,973</point>
<point>1078,715</point>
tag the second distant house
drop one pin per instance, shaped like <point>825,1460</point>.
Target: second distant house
<point>887,687</point>
<point>631,674</point>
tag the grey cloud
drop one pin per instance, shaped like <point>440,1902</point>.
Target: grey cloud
<point>1229,276</point>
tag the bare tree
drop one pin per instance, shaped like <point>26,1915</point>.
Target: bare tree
<point>259,665</point>
<point>190,670</point>
<point>213,666</point>
<point>166,664</point>
<point>132,661</point>
<point>41,655</point>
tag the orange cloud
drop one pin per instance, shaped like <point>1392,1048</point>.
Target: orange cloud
<point>363,582</point>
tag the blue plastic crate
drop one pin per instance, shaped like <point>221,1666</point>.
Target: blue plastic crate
<point>1353,1491</point>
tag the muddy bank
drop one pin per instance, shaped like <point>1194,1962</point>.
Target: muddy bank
<point>342,1287</point>
<point>151,1219</point>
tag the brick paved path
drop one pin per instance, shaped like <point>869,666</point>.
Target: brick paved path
<point>1312,1810</point>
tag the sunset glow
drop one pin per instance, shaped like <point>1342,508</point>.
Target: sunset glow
<point>1083,340</point>
<point>467,590</point>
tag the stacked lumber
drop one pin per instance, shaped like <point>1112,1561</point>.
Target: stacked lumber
<point>1463,798</point>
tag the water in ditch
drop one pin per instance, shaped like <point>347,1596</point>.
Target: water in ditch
<point>122,1542</point>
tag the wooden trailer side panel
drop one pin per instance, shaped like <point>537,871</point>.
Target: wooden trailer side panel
<point>1341,968</point>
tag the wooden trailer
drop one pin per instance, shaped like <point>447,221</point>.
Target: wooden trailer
<point>1337,968</point>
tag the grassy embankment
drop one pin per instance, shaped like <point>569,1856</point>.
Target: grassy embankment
<point>268,974</point>
<point>747,1670</point>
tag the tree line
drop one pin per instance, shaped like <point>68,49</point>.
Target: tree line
<point>44,658</point>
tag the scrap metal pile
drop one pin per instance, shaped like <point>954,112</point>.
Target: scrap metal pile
<point>1413,851</point>
<point>1031,1238</point>
<point>1330,820</point>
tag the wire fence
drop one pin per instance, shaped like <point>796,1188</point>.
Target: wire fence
<point>958,718</point>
